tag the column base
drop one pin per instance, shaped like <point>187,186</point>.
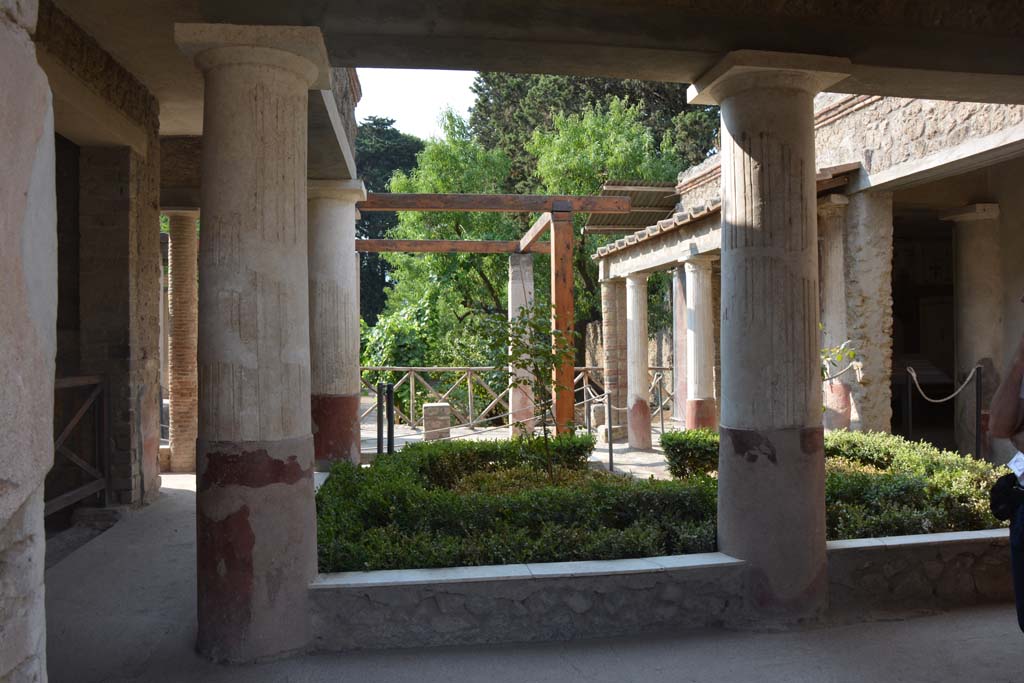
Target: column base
<point>336,427</point>
<point>701,413</point>
<point>255,547</point>
<point>771,513</point>
<point>618,433</point>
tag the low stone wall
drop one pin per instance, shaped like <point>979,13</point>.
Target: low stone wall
<point>874,576</point>
<point>523,602</point>
<point>868,579</point>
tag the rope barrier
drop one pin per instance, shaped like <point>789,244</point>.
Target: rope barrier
<point>913,376</point>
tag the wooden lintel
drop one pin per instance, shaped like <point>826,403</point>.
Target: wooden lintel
<point>539,227</point>
<point>831,183</point>
<point>507,203</point>
<point>448,247</point>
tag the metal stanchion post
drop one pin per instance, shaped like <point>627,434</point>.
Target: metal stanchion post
<point>661,400</point>
<point>978,436</point>
<point>390,398</point>
<point>380,418</point>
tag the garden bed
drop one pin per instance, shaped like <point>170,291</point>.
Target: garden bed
<point>468,503</point>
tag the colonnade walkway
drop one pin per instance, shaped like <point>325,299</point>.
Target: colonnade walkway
<point>122,608</point>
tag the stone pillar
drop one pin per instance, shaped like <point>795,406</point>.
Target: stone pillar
<point>979,314</point>
<point>771,479</point>
<point>520,295</point>
<point>868,256</point>
<point>638,403</point>
<point>256,535</point>
<point>28,318</point>
<point>334,318</point>
<point>832,288</point>
<point>184,311</point>
<point>701,411</point>
<point>613,335</point>
<point>679,342</point>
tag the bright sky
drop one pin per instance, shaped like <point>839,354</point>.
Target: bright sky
<point>414,98</point>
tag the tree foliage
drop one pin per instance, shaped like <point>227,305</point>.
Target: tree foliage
<point>381,150</point>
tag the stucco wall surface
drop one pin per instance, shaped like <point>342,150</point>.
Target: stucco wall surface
<point>28,317</point>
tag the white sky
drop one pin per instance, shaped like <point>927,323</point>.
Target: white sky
<point>414,98</point>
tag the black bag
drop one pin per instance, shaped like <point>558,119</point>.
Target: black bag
<point>1005,496</point>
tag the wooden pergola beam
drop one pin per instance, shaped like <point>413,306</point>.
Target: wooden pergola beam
<point>539,227</point>
<point>372,246</point>
<point>562,310</point>
<point>492,203</point>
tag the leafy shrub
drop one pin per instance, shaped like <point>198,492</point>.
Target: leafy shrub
<point>694,451</point>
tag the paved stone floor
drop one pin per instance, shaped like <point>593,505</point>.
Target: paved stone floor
<point>122,608</point>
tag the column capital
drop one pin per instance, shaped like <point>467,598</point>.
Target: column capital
<point>637,278</point>
<point>971,213</point>
<point>753,69</point>
<point>832,204</point>
<point>342,190</point>
<point>180,212</point>
<point>299,49</point>
<point>700,262</point>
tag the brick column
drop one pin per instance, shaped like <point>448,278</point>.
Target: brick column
<point>701,410</point>
<point>979,314</point>
<point>771,478</point>
<point>638,402</point>
<point>520,295</point>
<point>256,536</point>
<point>832,286</point>
<point>184,312</point>
<point>613,334</point>
<point>334,318</point>
<point>679,376</point>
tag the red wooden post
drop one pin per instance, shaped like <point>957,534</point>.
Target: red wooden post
<point>562,312</point>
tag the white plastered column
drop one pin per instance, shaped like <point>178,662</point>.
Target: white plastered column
<point>334,317</point>
<point>638,404</point>
<point>520,296</point>
<point>771,487</point>
<point>701,411</point>
<point>831,223</point>
<point>679,375</point>
<point>979,314</point>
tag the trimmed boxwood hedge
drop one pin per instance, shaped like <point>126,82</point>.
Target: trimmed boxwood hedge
<point>461,503</point>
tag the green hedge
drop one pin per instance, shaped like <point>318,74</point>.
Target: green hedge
<point>494,502</point>
<point>694,451</point>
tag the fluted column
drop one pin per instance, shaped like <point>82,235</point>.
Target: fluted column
<point>520,296</point>
<point>979,315</point>
<point>679,376</point>
<point>181,346</point>
<point>831,222</point>
<point>701,411</point>
<point>613,337</point>
<point>334,318</point>
<point>256,531</point>
<point>771,479</point>
<point>638,403</point>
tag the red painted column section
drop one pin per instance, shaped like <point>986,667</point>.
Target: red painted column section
<point>255,513</point>
<point>562,282</point>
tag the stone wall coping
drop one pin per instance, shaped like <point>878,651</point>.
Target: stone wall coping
<point>511,572</point>
<point>922,540</point>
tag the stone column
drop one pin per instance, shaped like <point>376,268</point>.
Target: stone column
<point>771,479</point>
<point>28,312</point>
<point>868,254</point>
<point>979,314</point>
<point>520,295</point>
<point>184,311</point>
<point>334,318</point>
<point>638,403</point>
<point>701,411</point>
<point>613,335</point>
<point>679,342</point>
<point>256,535</point>
<point>832,288</point>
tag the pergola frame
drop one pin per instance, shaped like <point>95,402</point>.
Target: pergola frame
<point>556,217</point>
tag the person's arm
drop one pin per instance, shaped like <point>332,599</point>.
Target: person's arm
<point>1007,411</point>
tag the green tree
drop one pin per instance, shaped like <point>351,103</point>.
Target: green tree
<point>381,150</point>
<point>579,154</point>
<point>510,107</point>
